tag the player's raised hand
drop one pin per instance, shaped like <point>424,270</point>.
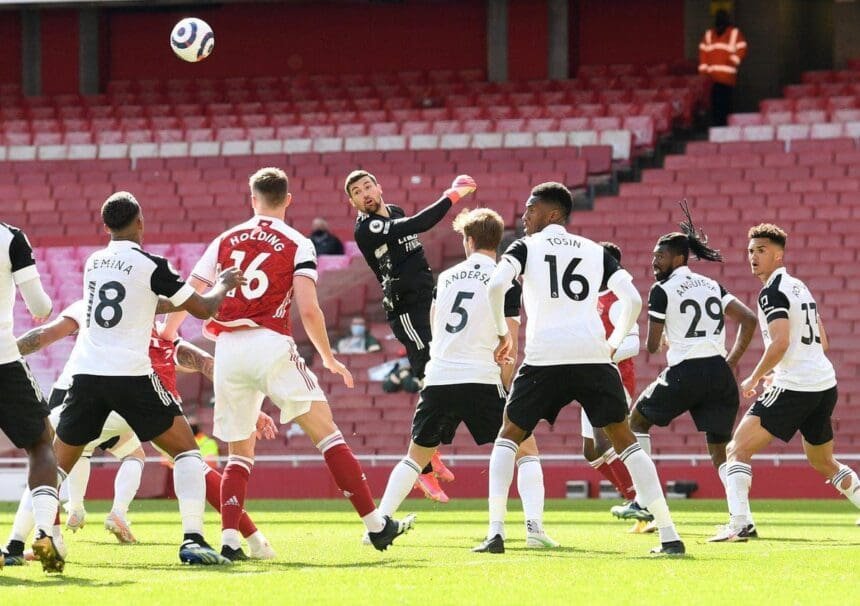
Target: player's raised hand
<point>502,353</point>
<point>232,277</point>
<point>336,367</point>
<point>462,186</point>
<point>266,428</point>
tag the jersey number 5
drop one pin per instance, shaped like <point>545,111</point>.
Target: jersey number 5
<point>258,281</point>
<point>461,311</point>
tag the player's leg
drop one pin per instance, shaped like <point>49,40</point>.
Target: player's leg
<point>749,438</point>
<point>319,426</point>
<point>24,419</point>
<point>126,484</point>
<point>76,486</point>
<point>603,400</point>
<point>532,494</point>
<point>427,427</point>
<point>817,431</point>
<point>22,526</point>
<point>234,488</point>
<point>259,547</point>
<point>403,477</point>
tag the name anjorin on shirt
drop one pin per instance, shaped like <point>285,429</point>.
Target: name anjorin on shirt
<point>260,236</point>
<point>112,263</point>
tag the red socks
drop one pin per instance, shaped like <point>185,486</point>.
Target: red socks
<point>231,495</point>
<point>623,482</point>
<point>347,473</point>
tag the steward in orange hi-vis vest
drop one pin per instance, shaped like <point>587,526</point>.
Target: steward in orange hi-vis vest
<point>721,52</point>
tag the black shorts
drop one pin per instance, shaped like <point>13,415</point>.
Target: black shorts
<point>142,401</point>
<point>22,405</point>
<point>442,408</point>
<point>705,387</point>
<point>783,412</point>
<point>57,397</point>
<point>540,392</point>
<point>411,325</point>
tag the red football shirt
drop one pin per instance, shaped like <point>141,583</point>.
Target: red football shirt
<point>162,353</point>
<point>270,253</point>
<point>625,367</point>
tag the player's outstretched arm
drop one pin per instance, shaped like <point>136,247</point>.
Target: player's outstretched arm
<point>313,319</point>
<point>509,365</point>
<point>630,345</point>
<point>190,358</point>
<point>746,320</point>
<point>170,328</point>
<point>40,337</point>
<point>425,219</point>
<point>205,306</point>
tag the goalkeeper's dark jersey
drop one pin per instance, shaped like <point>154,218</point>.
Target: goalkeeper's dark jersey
<point>391,247</point>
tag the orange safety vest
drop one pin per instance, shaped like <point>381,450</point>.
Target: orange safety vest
<point>720,56</point>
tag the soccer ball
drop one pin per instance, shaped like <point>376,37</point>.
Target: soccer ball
<point>192,39</point>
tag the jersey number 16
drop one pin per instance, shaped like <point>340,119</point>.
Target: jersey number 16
<point>258,281</point>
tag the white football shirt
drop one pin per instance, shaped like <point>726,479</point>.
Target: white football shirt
<point>464,334</point>
<point>804,367</point>
<point>16,267</point>
<point>122,284</point>
<point>77,313</point>
<point>692,306</point>
<point>563,275</point>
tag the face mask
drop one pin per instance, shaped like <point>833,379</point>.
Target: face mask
<point>357,330</point>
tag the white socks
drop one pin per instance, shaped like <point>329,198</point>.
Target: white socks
<point>45,502</point>
<point>852,492</point>
<point>76,482</point>
<point>649,493</point>
<point>738,482</point>
<point>400,483</point>
<point>24,519</point>
<point>644,440</point>
<point>501,475</point>
<point>530,487</point>
<point>190,488</point>
<point>125,484</point>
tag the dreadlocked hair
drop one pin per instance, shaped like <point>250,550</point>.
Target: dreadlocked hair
<point>696,240</point>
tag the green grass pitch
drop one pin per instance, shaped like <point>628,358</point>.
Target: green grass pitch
<point>808,554</point>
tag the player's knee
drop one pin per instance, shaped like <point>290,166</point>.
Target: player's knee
<point>589,450</point>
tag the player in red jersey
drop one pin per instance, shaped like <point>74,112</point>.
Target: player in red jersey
<point>596,447</point>
<point>256,356</point>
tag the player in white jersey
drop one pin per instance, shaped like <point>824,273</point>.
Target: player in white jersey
<point>280,264</point>
<point>463,382</point>
<point>800,383</point>
<point>23,410</point>
<point>567,354</point>
<point>112,371</point>
<point>689,311</point>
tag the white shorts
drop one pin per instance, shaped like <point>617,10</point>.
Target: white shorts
<point>587,430</point>
<point>253,364</point>
<point>115,426</point>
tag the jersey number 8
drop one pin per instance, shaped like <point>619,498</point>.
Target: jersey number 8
<point>111,294</point>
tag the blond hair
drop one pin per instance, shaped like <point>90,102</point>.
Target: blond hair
<point>483,225</point>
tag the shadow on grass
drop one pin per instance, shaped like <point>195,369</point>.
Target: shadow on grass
<point>58,580</point>
<point>246,567</point>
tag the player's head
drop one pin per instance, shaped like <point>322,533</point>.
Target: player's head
<point>722,20</point>
<point>481,229</point>
<point>766,249</point>
<point>673,249</point>
<point>269,189</point>
<point>613,249</point>
<point>122,216</point>
<point>364,191</point>
<point>548,203</point>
